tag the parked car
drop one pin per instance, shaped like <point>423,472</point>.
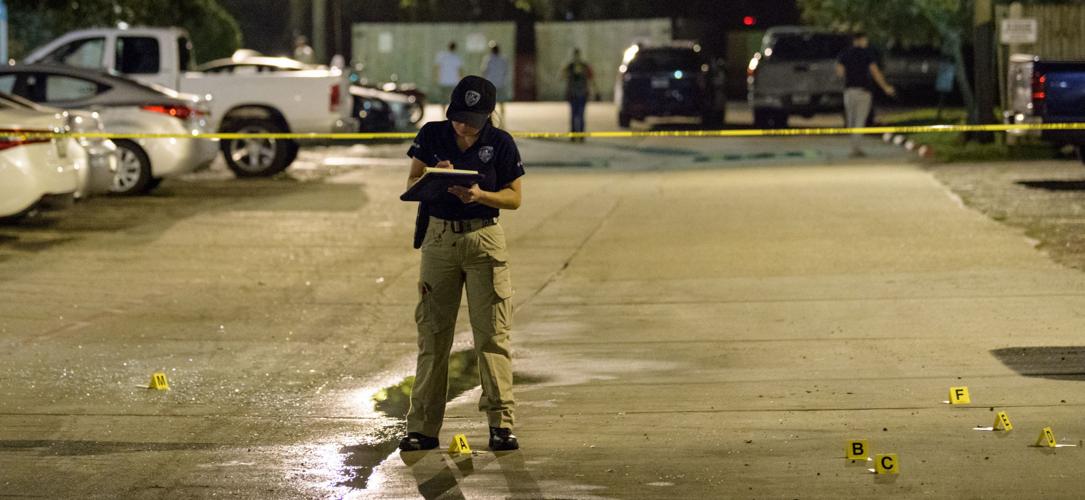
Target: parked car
<point>96,161</point>
<point>101,159</point>
<point>391,107</point>
<point>673,84</point>
<point>304,101</point>
<point>914,71</point>
<point>125,106</point>
<point>36,173</point>
<point>794,73</point>
<point>1043,91</point>
<point>415,97</point>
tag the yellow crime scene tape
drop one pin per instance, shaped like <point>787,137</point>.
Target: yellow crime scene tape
<point>621,134</point>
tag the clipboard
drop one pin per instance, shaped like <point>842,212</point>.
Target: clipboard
<point>434,183</point>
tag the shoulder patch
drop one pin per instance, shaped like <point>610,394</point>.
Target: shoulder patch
<point>486,153</point>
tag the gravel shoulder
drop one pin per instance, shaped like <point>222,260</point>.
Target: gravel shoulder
<point>1045,199</point>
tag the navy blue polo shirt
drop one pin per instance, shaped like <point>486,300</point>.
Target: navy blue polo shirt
<point>494,155</point>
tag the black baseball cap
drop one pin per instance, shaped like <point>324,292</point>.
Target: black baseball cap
<point>473,100</point>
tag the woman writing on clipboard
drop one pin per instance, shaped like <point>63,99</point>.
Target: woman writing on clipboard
<point>463,245</point>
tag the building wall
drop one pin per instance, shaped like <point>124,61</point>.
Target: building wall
<point>408,50</point>
<point>601,43</point>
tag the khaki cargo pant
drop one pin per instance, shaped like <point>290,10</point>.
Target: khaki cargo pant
<point>857,104</point>
<point>450,260</point>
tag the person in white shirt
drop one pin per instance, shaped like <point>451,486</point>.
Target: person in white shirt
<point>449,70</point>
<point>495,68</point>
<point>302,51</point>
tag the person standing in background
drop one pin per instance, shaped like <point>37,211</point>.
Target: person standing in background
<point>858,66</point>
<point>579,85</point>
<point>302,51</point>
<point>448,69</point>
<point>495,68</point>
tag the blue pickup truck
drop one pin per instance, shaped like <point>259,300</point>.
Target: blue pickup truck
<point>1043,91</point>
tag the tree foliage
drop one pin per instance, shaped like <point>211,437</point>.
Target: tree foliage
<point>943,23</point>
<point>893,22</point>
<point>214,31</point>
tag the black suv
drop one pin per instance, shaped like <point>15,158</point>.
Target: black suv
<point>670,85</point>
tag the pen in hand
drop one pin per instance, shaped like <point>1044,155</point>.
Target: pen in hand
<point>441,163</point>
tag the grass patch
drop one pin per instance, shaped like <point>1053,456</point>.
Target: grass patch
<point>951,147</point>
<point>925,116</point>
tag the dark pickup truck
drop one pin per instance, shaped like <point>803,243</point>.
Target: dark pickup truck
<point>1047,92</point>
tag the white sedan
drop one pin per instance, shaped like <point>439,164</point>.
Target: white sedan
<point>36,172</point>
<point>125,106</point>
<point>95,161</point>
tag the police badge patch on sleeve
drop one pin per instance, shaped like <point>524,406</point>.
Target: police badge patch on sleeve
<point>486,153</point>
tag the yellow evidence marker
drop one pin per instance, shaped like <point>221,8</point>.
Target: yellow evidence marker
<point>886,464</point>
<point>459,444</point>
<point>158,382</point>
<point>857,449</point>
<point>1002,422</point>
<point>1047,439</point>
<point>959,396</point>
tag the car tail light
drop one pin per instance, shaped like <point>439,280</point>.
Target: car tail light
<point>174,110</point>
<point>1039,81</point>
<point>1039,92</point>
<point>334,99</point>
<point>11,138</point>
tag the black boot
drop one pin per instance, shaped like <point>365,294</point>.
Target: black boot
<point>418,442</point>
<point>503,440</point>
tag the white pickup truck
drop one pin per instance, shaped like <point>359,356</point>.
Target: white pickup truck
<point>316,101</point>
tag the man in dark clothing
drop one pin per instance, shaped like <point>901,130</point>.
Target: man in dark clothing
<point>859,69</point>
<point>579,84</point>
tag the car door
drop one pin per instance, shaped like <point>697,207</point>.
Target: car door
<point>16,84</point>
<point>140,57</point>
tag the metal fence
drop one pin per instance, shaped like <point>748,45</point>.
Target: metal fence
<point>407,51</point>
<point>601,43</point>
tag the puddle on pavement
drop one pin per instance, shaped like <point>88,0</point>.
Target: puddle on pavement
<point>1055,185</point>
<point>1054,362</point>
<point>394,401</point>
<point>361,459</point>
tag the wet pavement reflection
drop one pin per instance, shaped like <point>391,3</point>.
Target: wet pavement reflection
<point>441,475</point>
<point>436,473</point>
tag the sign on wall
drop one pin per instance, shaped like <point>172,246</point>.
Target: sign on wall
<point>1018,31</point>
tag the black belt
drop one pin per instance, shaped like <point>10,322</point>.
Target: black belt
<point>466,225</point>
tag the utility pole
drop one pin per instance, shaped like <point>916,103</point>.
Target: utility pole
<point>983,29</point>
<point>320,28</point>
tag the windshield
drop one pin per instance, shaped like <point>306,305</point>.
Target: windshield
<point>808,46</point>
<point>666,60</point>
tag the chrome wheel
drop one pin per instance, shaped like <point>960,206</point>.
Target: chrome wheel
<point>252,155</point>
<point>132,170</point>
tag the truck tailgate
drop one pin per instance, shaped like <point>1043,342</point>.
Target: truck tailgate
<point>797,77</point>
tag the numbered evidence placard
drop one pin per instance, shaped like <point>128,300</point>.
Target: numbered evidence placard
<point>857,449</point>
<point>886,464</point>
